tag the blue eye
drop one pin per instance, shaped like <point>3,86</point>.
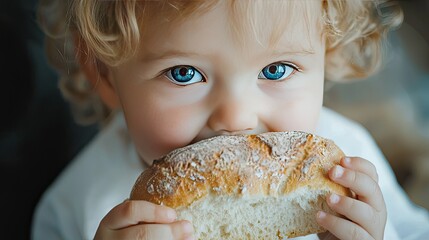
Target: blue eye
<point>184,75</point>
<point>277,71</point>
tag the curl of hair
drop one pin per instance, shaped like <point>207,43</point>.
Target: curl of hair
<point>111,32</point>
<point>354,33</point>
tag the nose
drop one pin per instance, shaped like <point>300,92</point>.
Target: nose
<point>234,113</point>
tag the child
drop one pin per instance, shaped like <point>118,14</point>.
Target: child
<point>174,72</point>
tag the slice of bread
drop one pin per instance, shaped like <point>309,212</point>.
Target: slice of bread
<point>266,186</point>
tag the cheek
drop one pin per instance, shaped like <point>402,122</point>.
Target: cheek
<point>159,116</point>
<point>299,117</point>
<point>295,118</point>
<point>158,129</point>
<point>298,111</point>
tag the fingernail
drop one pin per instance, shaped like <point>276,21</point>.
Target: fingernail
<point>171,215</point>
<point>334,198</point>
<point>347,161</point>
<point>187,227</point>
<point>338,172</point>
<point>321,214</point>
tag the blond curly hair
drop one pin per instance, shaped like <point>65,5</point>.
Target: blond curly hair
<point>111,31</point>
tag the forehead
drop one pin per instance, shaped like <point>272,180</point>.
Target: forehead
<point>268,23</point>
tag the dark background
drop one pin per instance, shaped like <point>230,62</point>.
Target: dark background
<point>38,136</point>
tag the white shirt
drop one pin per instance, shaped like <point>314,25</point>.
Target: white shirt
<point>103,174</point>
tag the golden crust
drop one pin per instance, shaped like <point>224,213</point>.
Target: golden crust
<point>272,164</point>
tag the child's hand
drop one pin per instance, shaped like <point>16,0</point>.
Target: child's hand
<point>364,217</point>
<point>145,221</point>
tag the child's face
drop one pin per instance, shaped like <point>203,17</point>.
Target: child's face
<point>195,80</point>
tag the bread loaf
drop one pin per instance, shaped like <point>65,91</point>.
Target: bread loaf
<point>266,186</point>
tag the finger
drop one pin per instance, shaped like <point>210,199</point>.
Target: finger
<point>363,185</point>
<point>131,213</point>
<point>360,165</point>
<point>184,230</point>
<point>180,230</point>
<point>341,228</point>
<point>358,212</point>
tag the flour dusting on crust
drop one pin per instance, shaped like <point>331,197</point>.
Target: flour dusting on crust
<point>269,156</point>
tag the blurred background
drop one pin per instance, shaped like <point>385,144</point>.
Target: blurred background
<point>394,104</point>
<point>38,136</point>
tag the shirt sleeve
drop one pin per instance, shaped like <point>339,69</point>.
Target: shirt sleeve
<point>50,221</point>
<point>100,177</point>
<point>44,224</point>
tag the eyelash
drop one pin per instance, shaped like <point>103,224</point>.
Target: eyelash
<point>292,65</point>
<point>295,68</point>
<point>167,72</point>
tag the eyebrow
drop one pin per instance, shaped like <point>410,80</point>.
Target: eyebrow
<point>177,54</point>
<point>169,54</point>
<point>285,53</point>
